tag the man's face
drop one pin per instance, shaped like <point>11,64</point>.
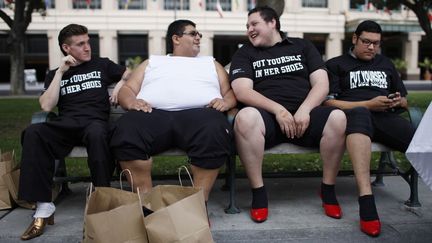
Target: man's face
<point>189,41</point>
<point>78,46</point>
<point>260,33</point>
<point>367,45</point>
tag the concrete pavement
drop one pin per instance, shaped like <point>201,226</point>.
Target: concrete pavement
<point>296,214</point>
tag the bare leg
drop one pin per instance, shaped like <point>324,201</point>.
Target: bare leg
<point>204,178</point>
<point>249,132</point>
<point>359,149</point>
<point>141,173</point>
<point>332,146</point>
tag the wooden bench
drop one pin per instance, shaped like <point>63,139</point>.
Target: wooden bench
<point>386,160</point>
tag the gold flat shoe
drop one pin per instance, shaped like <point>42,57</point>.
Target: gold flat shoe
<point>37,227</point>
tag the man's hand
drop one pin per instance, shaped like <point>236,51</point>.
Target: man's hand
<point>67,62</point>
<point>218,104</point>
<point>140,105</point>
<point>286,122</point>
<point>302,120</point>
<point>396,100</point>
<point>380,103</point>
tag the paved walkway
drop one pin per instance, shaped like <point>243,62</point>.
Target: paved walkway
<point>295,215</point>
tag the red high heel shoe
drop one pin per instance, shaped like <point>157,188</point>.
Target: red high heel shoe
<point>372,228</point>
<point>332,210</point>
<point>259,215</point>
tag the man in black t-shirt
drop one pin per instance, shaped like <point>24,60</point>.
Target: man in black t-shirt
<point>282,82</point>
<point>368,88</point>
<point>79,89</point>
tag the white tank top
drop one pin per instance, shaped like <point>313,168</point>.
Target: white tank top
<point>175,83</point>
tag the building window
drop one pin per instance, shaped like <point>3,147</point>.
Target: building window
<point>211,5</point>
<point>176,4</point>
<point>94,43</point>
<point>86,4</point>
<point>50,4</point>
<point>35,56</point>
<point>367,5</point>
<point>131,46</point>
<point>251,4</point>
<point>132,4</point>
<point>314,3</point>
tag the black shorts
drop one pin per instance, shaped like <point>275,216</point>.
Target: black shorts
<point>203,133</point>
<point>387,128</point>
<point>312,135</point>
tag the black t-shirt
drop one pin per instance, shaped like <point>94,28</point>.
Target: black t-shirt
<point>281,72</point>
<point>352,79</point>
<point>83,89</point>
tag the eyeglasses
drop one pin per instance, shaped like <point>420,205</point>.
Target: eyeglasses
<point>193,33</point>
<point>367,42</point>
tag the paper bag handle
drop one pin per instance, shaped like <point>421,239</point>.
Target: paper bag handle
<point>187,171</point>
<point>89,191</point>
<point>121,182</point>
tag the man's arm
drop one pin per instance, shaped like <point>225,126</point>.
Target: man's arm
<point>243,90</point>
<point>228,98</point>
<point>128,92</point>
<point>379,103</point>
<point>124,78</point>
<point>49,99</point>
<point>320,88</point>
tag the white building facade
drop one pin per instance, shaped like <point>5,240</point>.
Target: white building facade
<point>121,29</point>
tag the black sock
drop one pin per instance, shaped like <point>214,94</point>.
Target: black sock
<point>259,198</point>
<point>328,194</point>
<point>368,211</point>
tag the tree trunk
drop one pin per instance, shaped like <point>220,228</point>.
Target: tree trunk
<point>17,65</point>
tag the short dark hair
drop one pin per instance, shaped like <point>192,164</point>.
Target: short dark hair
<point>176,28</point>
<point>267,14</point>
<point>69,31</point>
<point>368,26</point>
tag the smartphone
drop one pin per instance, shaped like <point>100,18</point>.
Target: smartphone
<point>391,96</point>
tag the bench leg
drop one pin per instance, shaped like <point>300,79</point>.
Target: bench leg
<point>230,180</point>
<point>384,160</point>
<point>411,177</point>
<point>60,171</point>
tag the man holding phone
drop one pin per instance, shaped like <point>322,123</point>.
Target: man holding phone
<point>368,88</point>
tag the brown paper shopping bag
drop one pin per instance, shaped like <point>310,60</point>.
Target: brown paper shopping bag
<point>7,164</point>
<point>11,180</point>
<point>179,215</point>
<point>113,215</point>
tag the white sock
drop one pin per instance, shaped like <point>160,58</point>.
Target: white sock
<point>44,209</point>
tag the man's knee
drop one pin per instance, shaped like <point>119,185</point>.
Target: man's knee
<point>96,131</point>
<point>336,122</point>
<point>246,120</point>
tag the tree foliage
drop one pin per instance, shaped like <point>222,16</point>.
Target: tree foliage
<point>22,17</point>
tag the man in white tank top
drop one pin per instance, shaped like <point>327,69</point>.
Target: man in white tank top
<point>177,100</point>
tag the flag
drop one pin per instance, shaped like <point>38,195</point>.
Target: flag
<point>88,3</point>
<point>126,4</point>
<point>219,9</point>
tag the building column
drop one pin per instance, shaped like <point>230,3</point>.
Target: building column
<point>156,42</point>
<point>109,5</point>
<point>54,53</point>
<point>61,5</point>
<point>108,44</point>
<point>411,53</point>
<point>334,45</point>
<point>207,44</point>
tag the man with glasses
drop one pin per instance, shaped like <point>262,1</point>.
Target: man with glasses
<point>177,100</point>
<point>368,88</point>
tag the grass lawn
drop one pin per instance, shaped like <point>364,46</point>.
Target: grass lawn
<point>15,115</point>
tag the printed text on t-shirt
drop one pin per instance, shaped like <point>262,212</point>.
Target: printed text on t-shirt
<point>368,79</point>
<point>80,82</point>
<point>268,67</point>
